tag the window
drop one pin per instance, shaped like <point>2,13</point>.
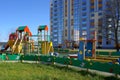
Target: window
<point>65,22</point>
<point>118,29</point>
<point>65,7</point>
<point>84,33</point>
<point>92,9</point>
<point>108,42</point>
<point>55,23</point>
<point>99,1</point>
<point>55,1</point>
<point>110,19</point>
<point>72,12</point>
<point>92,15</point>
<point>72,33</point>
<point>72,22</point>
<point>110,26</point>
<point>84,3</point>
<point>84,19</point>
<point>55,14</point>
<point>72,7</point>
<point>99,14</point>
<point>92,26</point>
<point>99,37</point>
<point>84,14</point>
<point>55,35</point>
<point>55,31</point>
<point>55,39</point>
<point>84,28</point>
<point>99,43</point>
<point>55,19</point>
<point>84,25</point>
<point>100,7</point>
<point>65,12</point>
<point>51,4</point>
<point>100,22</point>
<point>99,31</point>
<point>55,10</point>
<point>84,8</point>
<point>65,1</point>
<point>55,5</point>
<point>92,4</point>
<point>66,33</point>
<point>109,36</point>
<point>92,22</point>
<point>92,1</point>
<point>109,32</point>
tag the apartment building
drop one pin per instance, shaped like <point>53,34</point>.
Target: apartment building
<point>71,20</point>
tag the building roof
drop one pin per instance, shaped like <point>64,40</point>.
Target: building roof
<point>21,28</point>
<point>24,29</point>
<point>43,27</point>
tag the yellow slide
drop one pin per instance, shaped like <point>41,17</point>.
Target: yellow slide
<point>10,43</point>
<point>15,48</point>
<point>18,47</point>
<point>50,47</point>
<point>47,47</point>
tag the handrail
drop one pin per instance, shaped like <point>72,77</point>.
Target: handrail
<point>20,43</point>
<point>14,46</point>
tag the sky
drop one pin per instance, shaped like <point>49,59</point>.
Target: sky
<point>15,13</point>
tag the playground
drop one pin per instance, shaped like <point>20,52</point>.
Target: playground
<point>23,46</point>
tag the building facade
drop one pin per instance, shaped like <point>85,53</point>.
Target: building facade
<point>57,21</point>
<point>110,22</point>
<point>71,20</point>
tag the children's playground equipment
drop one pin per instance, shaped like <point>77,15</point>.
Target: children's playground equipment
<point>87,51</point>
<point>90,49</point>
<point>44,45</point>
<point>19,40</point>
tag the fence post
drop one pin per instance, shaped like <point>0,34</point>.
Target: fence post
<point>21,57</point>
<point>110,52</point>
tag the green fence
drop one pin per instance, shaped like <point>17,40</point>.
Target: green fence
<point>106,67</point>
<point>108,53</point>
<point>61,50</point>
<point>10,57</point>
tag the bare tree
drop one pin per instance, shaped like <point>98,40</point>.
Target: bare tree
<point>111,26</point>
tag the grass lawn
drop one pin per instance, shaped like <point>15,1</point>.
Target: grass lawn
<point>26,71</point>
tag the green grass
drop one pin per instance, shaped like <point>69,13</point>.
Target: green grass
<point>25,71</point>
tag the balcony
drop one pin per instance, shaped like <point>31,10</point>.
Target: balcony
<point>92,24</point>
<point>100,5</point>
<point>92,7</point>
<point>92,1</point>
<point>99,40</point>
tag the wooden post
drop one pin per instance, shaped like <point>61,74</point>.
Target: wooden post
<point>38,42</point>
<point>94,45</point>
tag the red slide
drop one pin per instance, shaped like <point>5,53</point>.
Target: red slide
<point>6,47</point>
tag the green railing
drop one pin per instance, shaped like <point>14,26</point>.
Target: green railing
<point>112,53</point>
<point>106,67</point>
<point>61,50</point>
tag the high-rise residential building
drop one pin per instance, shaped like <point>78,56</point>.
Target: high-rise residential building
<point>110,16</point>
<point>71,20</point>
